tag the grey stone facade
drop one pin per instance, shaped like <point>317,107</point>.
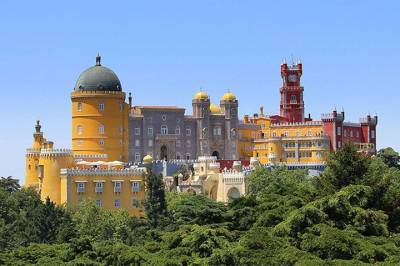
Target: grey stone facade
<point>165,132</point>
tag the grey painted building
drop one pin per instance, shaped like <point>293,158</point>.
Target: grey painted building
<point>165,132</point>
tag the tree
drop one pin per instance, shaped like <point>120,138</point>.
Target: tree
<point>155,203</point>
<point>346,166</point>
<point>9,184</point>
<point>389,157</point>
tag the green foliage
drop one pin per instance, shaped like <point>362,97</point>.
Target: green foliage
<point>187,208</point>
<point>349,215</point>
<point>390,157</point>
<point>155,203</point>
<point>346,167</point>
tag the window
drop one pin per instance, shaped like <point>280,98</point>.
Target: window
<point>150,144</point>
<point>358,134</point>
<point>101,142</point>
<point>117,203</point>
<point>188,132</point>
<point>339,144</point>
<point>274,134</point>
<point>178,156</point>
<point>137,157</point>
<point>178,130</point>
<point>120,142</point>
<point>101,129</point>
<point>309,133</point>
<point>164,130</point>
<point>135,203</point>
<point>188,143</point>
<point>339,131</point>
<point>79,107</point>
<point>121,130</point>
<point>79,130</point>
<point>117,186</point>
<point>217,131</point>
<point>121,106</point>
<point>150,131</point>
<point>293,99</point>
<point>298,134</point>
<point>80,187</point>
<point>187,156</point>
<point>164,117</point>
<point>137,142</point>
<point>178,143</point>
<point>286,134</point>
<point>351,133</point>
<point>137,131</point>
<point>372,134</point>
<point>99,203</point>
<point>101,106</point>
<point>135,186</point>
<point>99,187</point>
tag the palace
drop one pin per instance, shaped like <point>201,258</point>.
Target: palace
<point>114,142</point>
<point>295,140</point>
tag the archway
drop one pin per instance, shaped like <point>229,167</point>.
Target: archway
<point>216,154</point>
<point>233,193</point>
<point>164,153</point>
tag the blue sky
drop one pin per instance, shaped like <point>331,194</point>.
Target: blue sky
<point>164,51</point>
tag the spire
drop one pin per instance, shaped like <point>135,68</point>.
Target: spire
<point>38,126</point>
<point>98,60</point>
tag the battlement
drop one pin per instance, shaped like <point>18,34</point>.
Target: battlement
<point>103,172</point>
<point>90,156</point>
<point>297,124</point>
<point>48,152</point>
<point>373,121</point>
<point>332,116</point>
<point>91,92</point>
<point>232,177</point>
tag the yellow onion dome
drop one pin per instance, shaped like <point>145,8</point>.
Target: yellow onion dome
<point>201,95</point>
<point>148,159</point>
<point>229,96</point>
<point>214,109</point>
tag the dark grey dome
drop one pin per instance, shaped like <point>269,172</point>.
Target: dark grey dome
<point>98,78</point>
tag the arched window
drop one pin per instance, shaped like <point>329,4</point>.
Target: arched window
<point>164,130</point>
<point>101,106</point>
<point>293,98</point>
<point>101,129</point>
<point>177,130</point>
<point>79,107</point>
<point>79,129</point>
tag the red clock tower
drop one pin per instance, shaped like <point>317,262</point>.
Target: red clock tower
<point>292,105</point>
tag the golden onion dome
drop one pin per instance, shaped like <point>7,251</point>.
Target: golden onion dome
<point>148,159</point>
<point>229,96</point>
<point>214,109</point>
<point>201,95</point>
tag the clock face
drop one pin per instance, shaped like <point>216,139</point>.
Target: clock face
<point>292,78</point>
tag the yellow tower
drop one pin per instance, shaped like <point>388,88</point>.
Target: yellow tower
<point>50,163</point>
<point>32,158</point>
<point>99,115</point>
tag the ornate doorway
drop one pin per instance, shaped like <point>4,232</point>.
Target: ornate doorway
<point>164,153</point>
<point>216,154</point>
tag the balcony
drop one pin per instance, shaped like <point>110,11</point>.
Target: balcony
<point>167,136</point>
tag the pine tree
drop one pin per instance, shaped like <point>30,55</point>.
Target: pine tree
<point>155,203</point>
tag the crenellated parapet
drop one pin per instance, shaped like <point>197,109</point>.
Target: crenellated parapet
<point>297,124</point>
<point>55,152</point>
<point>103,172</point>
<point>90,156</point>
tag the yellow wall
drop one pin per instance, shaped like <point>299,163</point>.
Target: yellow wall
<point>301,143</point>
<point>51,181</point>
<point>246,142</point>
<point>91,117</point>
<point>73,197</point>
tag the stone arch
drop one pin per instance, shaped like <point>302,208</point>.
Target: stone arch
<point>164,152</point>
<point>216,154</point>
<point>233,193</point>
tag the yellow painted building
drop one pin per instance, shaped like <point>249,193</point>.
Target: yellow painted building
<point>288,143</point>
<point>94,169</point>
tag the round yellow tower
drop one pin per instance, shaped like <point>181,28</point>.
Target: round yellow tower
<point>99,115</point>
<point>50,163</point>
<point>32,158</point>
